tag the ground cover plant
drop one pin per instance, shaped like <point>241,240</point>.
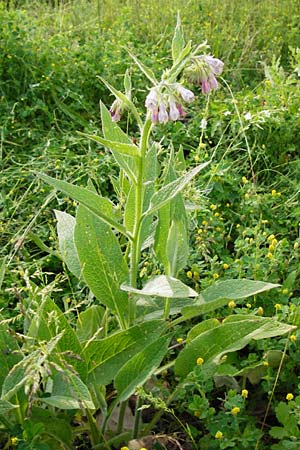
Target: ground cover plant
<point>131,318</point>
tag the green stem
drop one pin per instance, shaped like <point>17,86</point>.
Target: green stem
<point>139,204</point>
<point>121,417</point>
<point>95,433</point>
<point>137,418</point>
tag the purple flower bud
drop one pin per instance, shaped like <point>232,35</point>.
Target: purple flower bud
<point>181,110</point>
<point>186,94</point>
<point>151,99</point>
<point>205,86</point>
<point>212,81</point>
<point>162,114</point>
<point>174,113</point>
<point>215,64</point>
<point>116,110</point>
<point>154,116</point>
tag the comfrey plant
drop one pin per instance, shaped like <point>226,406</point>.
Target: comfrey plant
<point>125,336</point>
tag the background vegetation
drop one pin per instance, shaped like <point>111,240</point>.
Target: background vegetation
<point>248,221</point>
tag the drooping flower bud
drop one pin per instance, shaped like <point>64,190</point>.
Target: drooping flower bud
<point>116,110</point>
<point>202,72</point>
<point>186,94</point>
<point>163,116</point>
<point>174,112</point>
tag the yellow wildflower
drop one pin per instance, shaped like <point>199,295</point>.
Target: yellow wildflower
<point>278,306</point>
<point>225,266</point>
<point>14,441</point>
<point>200,361</point>
<point>260,311</point>
<point>235,410</point>
<point>215,276</point>
<point>296,245</point>
<point>244,393</point>
<point>293,337</point>
<point>219,435</point>
<point>189,274</point>
<point>289,397</point>
<point>231,304</point>
<point>179,340</point>
<point>244,180</point>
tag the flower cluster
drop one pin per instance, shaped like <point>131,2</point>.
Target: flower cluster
<point>116,110</point>
<point>165,102</point>
<point>203,71</point>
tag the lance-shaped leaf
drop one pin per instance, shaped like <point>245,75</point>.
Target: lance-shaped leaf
<point>168,192</point>
<point>139,368</point>
<point>231,335</point>
<point>99,206</point>
<point>178,40</point>
<point>45,326</point>
<point>113,132</point>
<point>69,392</point>
<point>108,355</point>
<point>65,232</point>
<point>102,262</point>
<point>221,292</point>
<point>123,148</point>
<point>163,286</point>
<point>146,71</point>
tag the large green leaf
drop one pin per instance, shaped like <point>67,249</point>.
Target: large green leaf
<point>119,147</point>
<point>56,426</point>
<point>89,323</point>
<point>221,292</point>
<point>69,392</point>
<point>163,286</point>
<point>108,355</point>
<point>113,132</point>
<point>48,323</point>
<point>102,262</point>
<point>178,40</point>
<point>146,71</point>
<point>139,368</point>
<point>65,232</point>
<point>99,206</point>
<point>168,192</point>
<point>233,334</point>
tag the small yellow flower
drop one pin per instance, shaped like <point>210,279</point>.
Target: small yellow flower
<point>200,361</point>
<point>247,196</point>
<point>231,304</point>
<point>196,276</point>
<point>204,223</point>
<point>235,410</point>
<point>14,440</point>
<point>274,242</point>
<point>271,237</point>
<point>296,245</point>
<point>274,192</point>
<point>260,311</point>
<point>289,397</point>
<point>179,340</point>
<point>215,276</point>
<point>238,225</point>
<point>216,214</point>
<point>197,413</point>
<point>244,393</point>
<point>271,248</point>
<point>143,448</point>
<point>264,221</point>
<point>269,255</point>
<point>219,435</point>
<point>244,180</point>
<point>225,266</point>
<point>213,207</point>
<point>249,305</point>
<point>278,306</point>
<point>124,448</point>
<point>189,274</point>
<point>265,363</point>
<point>293,338</point>
<point>285,291</point>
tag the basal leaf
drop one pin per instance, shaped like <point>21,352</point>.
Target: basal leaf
<point>229,336</point>
<point>108,355</point>
<point>139,368</point>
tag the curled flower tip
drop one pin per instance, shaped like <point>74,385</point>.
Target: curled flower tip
<point>163,116</point>
<point>174,112</point>
<point>186,94</point>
